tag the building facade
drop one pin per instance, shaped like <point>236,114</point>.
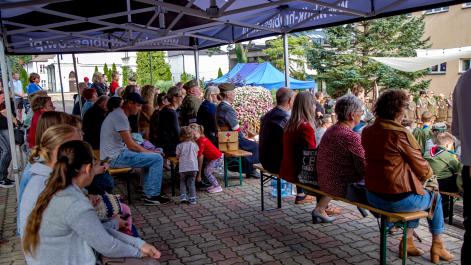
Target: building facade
<point>47,67</point>
<point>447,27</point>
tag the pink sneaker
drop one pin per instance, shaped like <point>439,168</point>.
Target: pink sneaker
<point>214,189</point>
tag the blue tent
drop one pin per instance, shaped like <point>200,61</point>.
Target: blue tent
<point>263,74</point>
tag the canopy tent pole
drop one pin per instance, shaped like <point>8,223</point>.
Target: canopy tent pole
<point>60,79</point>
<point>150,68</point>
<point>11,137</point>
<point>197,64</point>
<point>77,84</point>
<point>286,58</point>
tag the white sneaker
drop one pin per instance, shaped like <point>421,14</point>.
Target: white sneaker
<point>214,189</point>
<point>6,183</point>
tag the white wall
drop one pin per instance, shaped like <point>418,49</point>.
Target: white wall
<point>208,65</point>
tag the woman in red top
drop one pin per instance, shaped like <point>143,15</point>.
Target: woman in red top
<point>298,135</point>
<point>39,105</point>
<point>214,158</point>
<point>114,82</point>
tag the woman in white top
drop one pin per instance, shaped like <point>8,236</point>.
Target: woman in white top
<point>63,227</point>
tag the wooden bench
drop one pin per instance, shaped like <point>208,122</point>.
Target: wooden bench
<point>266,176</point>
<point>385,217</point>
<point>173,172</point>
<point>452,198</point>
<point>116,172</point>
<point>232,158</point>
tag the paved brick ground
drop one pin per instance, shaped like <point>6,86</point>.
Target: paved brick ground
<point>229,228</point>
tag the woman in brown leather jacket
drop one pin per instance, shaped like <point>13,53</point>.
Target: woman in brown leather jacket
<point>395,172</point>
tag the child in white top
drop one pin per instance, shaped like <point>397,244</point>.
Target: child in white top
<point>187,154</point>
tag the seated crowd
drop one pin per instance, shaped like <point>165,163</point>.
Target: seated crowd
<point>64,213</point>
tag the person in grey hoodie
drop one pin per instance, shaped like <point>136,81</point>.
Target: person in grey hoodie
<point>63,227</point>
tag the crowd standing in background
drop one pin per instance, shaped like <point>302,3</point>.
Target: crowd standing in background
<point>140,127</point>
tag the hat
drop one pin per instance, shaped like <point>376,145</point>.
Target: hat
<point>85,79</point>
<point>190,84</point>
<point>135,97</point>
<point>439,127</point>
<point>225,87</point>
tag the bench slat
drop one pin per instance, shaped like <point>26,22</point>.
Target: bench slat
<point>237,153</point>
<point>392,217</point>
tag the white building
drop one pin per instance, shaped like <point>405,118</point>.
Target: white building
<point>209,64</point>
<point>47,67</point>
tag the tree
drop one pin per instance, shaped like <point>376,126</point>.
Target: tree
<point>17,62</point>
<point>297,46</point>
<point>160,68</point>
<point>125,72</point>
<point>185,77</point>
<point>107,72</point>
<point>113,68</point>
<point>96,69</point>
<point>24,78</point>
<point>220,72</point>
<point>241,53</point>
<point>345,62</point>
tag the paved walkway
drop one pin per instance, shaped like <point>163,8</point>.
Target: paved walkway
<point>229,228</point>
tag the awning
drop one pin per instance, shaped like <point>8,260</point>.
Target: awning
<point>425,59</point>
<point>66,26</point>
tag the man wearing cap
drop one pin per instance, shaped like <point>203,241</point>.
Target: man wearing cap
<point>117,145</point>
<point>87,81</point>
<point>226,119</point>
<point>461,128</point>
<point>191,103</point>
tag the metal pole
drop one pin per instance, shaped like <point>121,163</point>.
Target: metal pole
<point>286,58</point>
<point>60,79</point>
<point>150,68</point>
<point>197,64</point>
<point>11,136</point>
<point>77,83</point>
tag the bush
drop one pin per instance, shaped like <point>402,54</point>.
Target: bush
<point>164,85</point>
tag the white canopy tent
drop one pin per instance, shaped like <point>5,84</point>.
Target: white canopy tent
<point>425,58</point>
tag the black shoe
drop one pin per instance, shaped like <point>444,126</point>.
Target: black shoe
<point>6,183</point>
<point>156,200</point>
<point>202,185</point>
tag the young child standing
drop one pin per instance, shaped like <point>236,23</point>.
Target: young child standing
<point>209,152</point>
<point>187,152</point>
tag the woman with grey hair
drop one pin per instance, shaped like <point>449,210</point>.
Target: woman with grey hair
<point>340,158</point>
<point>207,113</point>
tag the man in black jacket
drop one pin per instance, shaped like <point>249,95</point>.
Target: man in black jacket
<point>92,121</point>
<point>271,130</point>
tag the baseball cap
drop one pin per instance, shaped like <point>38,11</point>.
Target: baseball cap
<point>134,97</point>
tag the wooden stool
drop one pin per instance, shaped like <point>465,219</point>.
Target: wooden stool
<point>232,157</point>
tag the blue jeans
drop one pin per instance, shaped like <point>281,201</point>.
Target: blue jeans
<point>413,203</point>
<point>151,163</point>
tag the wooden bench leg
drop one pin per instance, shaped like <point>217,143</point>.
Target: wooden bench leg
<point>262,176</point>
<point>404,242</point>
<point>172,178</point>
<point>225,171</point>
<point>451,201</point>
<point>239,159</point>
<point>383,241</point>
<point>278,192</point>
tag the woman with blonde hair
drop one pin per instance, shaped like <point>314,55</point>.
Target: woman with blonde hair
<point>51,118</point>
<point>207,113</point>
<point>98,83</point>
<point>147,92</point>
<point>63,227</point>
<point>42,159</point>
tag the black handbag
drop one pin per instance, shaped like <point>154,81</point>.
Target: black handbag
<point>19,136</point>
<point>308,173</point>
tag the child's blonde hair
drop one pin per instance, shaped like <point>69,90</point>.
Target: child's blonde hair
<point>197,128</point>
<point>445,138</point>
<point>186,134</point>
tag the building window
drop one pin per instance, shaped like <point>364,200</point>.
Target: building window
<point>467,4</point>
<point>465,64</point>
<point>41,69</point>
<point>438,69</point>
<point>436,10</point>
<point>43,83</point>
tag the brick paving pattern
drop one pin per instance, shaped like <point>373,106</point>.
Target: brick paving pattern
<point>229,228</point>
